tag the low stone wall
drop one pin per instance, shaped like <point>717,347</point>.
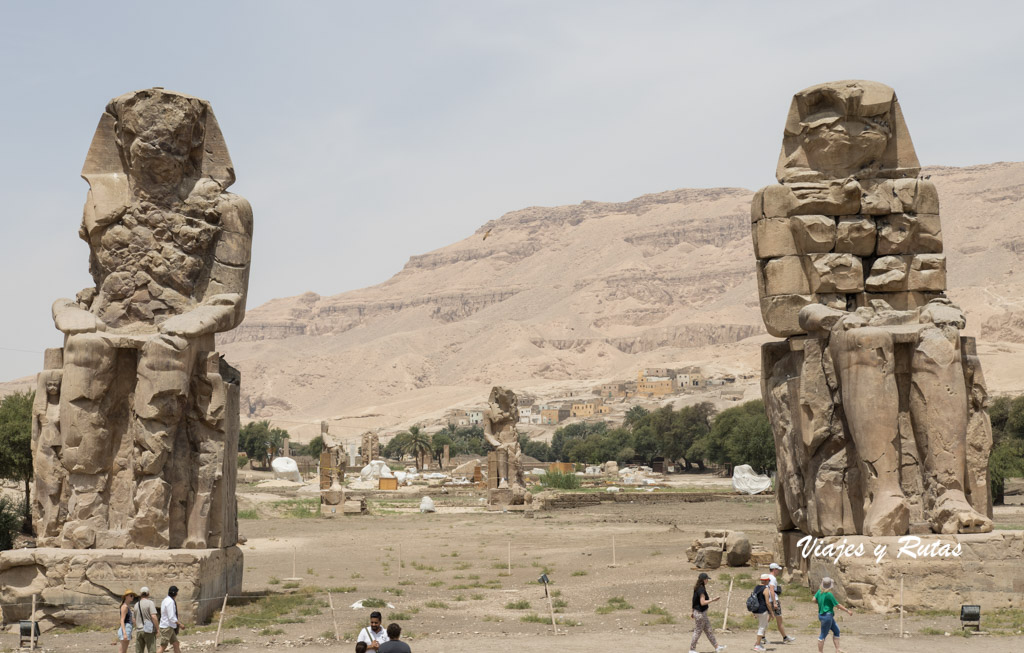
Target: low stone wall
<point>84,586</point>
<point>569,500</point>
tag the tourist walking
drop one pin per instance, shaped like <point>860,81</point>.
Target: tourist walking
<point>145,620</point>
<point>373,634</point>
<point>765,597</point>
<point>169,623</point>
<point>827,605</point>
<point>394,645</point>
<point>124,624</point>
<point>775,569</point>
<point>701,623</point>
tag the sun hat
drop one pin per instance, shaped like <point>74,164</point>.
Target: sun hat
<point>826,583</point>
<point>129,593</point>
<point>766,576</point>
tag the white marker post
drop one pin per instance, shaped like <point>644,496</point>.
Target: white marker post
<point>220,622</point>
<point>295,577</point>
<point>725,621</point>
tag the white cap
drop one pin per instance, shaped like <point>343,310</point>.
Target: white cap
<point>144,590</point>
<point>775,565</point>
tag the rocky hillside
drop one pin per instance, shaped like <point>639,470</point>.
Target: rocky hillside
<point>545,299</point>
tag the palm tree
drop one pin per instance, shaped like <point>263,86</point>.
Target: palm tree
<point>419,444</point>
<point>635,415</point>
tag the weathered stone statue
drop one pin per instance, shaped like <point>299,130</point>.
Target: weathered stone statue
<point>876,401</point>
<point>499,420</point>
<point>369,449</point>
<point>136,421</point>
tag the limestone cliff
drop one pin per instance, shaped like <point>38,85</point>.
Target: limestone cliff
<point>591,291</point>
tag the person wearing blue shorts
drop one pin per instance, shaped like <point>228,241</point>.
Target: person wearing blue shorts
<point>827,605</point>
<point>125,625</point>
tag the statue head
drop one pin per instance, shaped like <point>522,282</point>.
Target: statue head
<point>160,136</point>
<point>156,144</point>
<point>50,380</point>
<point>846,129</point>
<point>505,399</point>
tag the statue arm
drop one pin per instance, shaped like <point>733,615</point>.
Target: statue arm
<point>71,318</point>
<point>223,306</point>
<point>818,317</point>
<point>489,435</point>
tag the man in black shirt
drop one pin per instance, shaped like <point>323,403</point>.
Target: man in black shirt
<point>393,645</point>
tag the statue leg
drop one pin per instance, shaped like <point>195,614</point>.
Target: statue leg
<point>86,453</point>
<point>866,365</point>
<point>938,412</point>
<point>161,395</point>
<point>206,441</point>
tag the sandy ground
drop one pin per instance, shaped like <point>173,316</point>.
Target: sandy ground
<point>453,590</point>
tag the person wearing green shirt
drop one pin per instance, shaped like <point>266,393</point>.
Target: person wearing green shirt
<point>827,604</point>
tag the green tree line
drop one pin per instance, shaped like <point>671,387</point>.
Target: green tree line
<point>692,435</point>
<point>1007,460</point>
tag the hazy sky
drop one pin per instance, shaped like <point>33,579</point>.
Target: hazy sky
<point>366,132</point>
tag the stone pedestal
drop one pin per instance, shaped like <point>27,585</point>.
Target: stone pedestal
<point>989,570</point>
<point>84,587</point>
<point>499,497</point>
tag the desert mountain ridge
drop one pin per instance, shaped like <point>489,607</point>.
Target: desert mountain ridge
<point>555,300</point>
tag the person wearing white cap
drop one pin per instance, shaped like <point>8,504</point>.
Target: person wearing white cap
<point>146,623</point>
<point>775,569</point>
<point>765,597</point>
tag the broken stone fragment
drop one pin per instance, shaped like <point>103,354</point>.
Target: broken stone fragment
<point>836,273</point>
<point>773,238</point>
<point>785,276</point>
<point>855,235</point>
<point>878,197</point>
<point>888,274</point>
<point>927,273</point>
<point>813,233</point>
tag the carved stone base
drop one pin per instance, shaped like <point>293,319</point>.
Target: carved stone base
<point>84,587</point>
<point>989,571</point>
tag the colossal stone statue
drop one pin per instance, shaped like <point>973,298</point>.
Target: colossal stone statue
<point>135,424</point>
<point>146,434</point>
<point>500,419</point>
<point>876,400</point>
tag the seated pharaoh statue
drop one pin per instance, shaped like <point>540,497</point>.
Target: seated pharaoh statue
<point>137,417</point>
<point>876,399</point>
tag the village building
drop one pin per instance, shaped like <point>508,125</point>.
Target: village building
<point>587,408</point>
<point>459,418</point>
<point>654,372</point>
<point>656,386</point>
<point>609,390</point>
<point>554,414</point>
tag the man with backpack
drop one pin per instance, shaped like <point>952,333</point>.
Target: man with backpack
<point>774,569</point>
<point>146,623</point>
<point>758,603</point>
